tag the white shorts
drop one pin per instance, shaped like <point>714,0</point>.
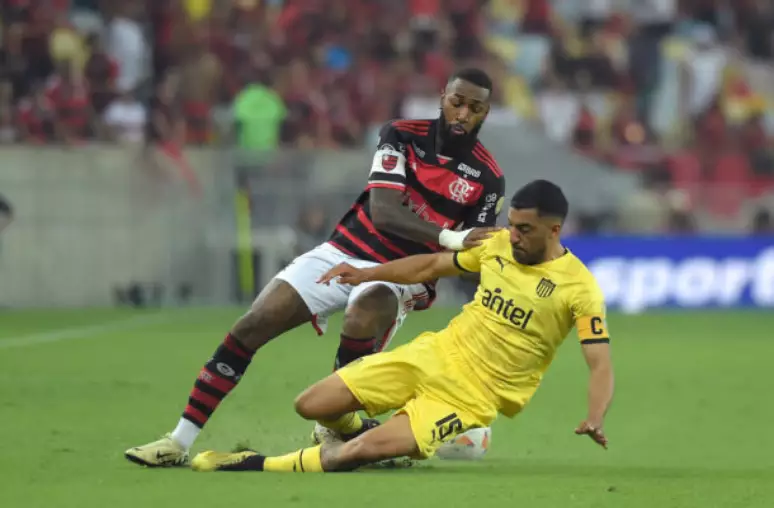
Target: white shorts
<point>304,271</point>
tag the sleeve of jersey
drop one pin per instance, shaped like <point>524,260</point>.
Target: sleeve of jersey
<point>469,260</point>
<point>488,208</point>
<point>388,169</point>
<point>590,315</point>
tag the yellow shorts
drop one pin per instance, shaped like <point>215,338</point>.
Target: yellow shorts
<point>427,381</point>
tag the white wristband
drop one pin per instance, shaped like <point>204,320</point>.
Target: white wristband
<point>453,240</point>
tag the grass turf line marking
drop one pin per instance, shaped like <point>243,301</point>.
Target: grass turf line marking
<point>82,332</point>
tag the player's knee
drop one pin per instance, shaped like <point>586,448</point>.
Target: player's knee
<point>371,312</point>
<point>306,406</point>
<point>359,325</point>
<point>328,399</point>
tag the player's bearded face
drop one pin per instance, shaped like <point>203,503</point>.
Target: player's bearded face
<point>530,236</point>
<point>455,132</point>
<point>530,253</point>
<point>464,107</point>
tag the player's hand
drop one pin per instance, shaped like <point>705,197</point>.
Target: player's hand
<point>477,236</point>
<point>593,431</point>
<point>346,273</point>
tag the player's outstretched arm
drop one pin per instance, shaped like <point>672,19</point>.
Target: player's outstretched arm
<point>389,214</point>
<point>600,390</point>
<point>410,270</point>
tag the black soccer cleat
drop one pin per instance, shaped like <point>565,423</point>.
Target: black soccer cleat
<point>368,424</point>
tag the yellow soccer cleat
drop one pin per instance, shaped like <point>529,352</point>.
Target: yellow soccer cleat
<point>207,462</point>
<point>166,452</point>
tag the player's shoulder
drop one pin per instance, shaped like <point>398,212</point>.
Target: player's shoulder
<point>408,127</point>
<point>398,134</point>
<point>576,269</point>
<point>578,277</point>
<point>499,243</point>
<point>482,159</point>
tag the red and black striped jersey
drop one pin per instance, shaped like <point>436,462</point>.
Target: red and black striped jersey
<point>452,193</point>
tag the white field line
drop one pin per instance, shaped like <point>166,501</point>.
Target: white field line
<point>82,332</point>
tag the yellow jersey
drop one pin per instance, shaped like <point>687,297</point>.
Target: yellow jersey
<point>520,315</point>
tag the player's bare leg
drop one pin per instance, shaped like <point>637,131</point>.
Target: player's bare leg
<point>393,439</point>
<point>277,309</point>
<point>368,320</point>
<point>390,440</point>
<point>326,399</point>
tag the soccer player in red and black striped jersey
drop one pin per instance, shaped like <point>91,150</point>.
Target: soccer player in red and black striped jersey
<point>432,186</point>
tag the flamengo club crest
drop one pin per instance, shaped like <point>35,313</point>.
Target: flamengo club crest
<point>389,161</point>
<point>461,190</point>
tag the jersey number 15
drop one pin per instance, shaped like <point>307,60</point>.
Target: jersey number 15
<point>448,426</point>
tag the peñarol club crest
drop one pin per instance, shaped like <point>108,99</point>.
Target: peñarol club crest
<point>545,287</point>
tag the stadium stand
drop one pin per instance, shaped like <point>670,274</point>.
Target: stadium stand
<point>673,94</point>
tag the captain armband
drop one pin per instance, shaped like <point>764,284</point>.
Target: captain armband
<point>592,330</point>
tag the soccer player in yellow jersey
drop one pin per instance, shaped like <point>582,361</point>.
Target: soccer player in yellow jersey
<point>491,358</point>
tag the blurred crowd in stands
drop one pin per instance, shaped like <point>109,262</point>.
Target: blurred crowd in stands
<point>678,91</point>
<point>295,72</point>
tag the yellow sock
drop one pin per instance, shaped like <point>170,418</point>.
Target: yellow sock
<point>302,461</point>
<point>347,424</point>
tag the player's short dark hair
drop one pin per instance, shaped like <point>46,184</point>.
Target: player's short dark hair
<point>474,76</point>
<point>545,196</point>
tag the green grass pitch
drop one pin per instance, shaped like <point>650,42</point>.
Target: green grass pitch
<point>691,426</point>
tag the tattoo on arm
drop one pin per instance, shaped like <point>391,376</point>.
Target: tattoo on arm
<point>389,214</point>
